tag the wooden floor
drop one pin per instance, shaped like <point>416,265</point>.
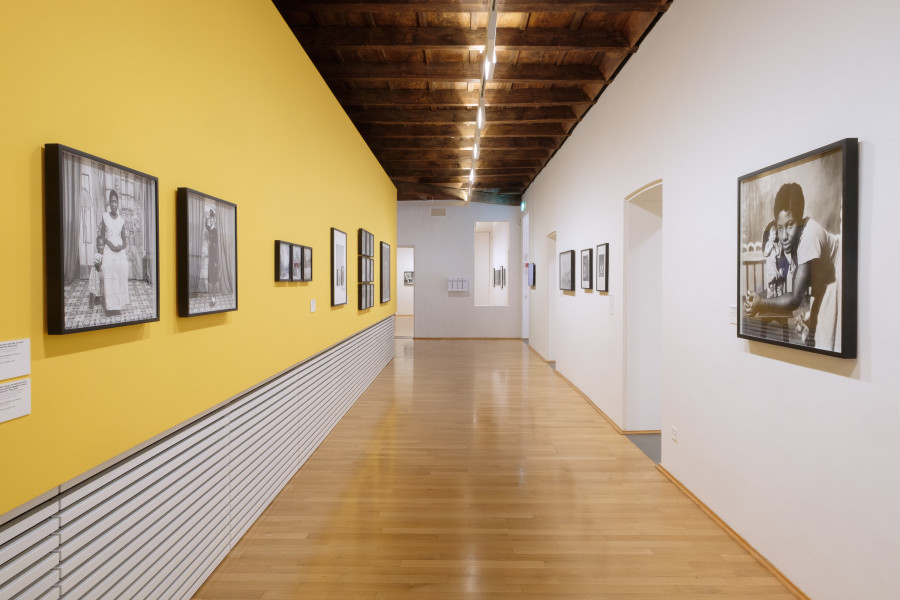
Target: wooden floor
<point>470,470</point>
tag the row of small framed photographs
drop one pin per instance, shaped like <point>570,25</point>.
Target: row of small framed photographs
<point>366,295</point>
<point>589,264</point>
<point>102,244</point>
<point>293,262</point>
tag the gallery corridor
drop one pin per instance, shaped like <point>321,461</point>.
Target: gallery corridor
<point>469,469</point>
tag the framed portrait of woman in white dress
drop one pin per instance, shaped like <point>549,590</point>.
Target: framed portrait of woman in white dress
<point>102,242</point>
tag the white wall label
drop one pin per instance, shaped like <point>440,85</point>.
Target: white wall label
<point>732,315</point>
<point>15,399</point>
<point>612,304</point>
<point>15,358</point>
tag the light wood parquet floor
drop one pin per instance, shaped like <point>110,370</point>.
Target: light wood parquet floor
<point>470,470</point>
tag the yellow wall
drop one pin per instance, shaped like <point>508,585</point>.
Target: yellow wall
<point>215,95</point>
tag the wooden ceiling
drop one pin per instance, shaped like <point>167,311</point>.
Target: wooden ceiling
<point>409,75</point>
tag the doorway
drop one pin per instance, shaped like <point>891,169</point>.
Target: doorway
<point>405,319</point>
<point>643,309</point>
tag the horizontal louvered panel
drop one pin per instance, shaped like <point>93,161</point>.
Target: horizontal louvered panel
<point>144,472</point>
<point>152,563</point>
<point>151,500</point>
<point>101,480</point>
<point>23,561</point>
<point>45,587</point>
<point>113,560</point>
<point>177,569</point>
<point>23,523</point>
<point>28,576</point>
<point>28,539</point>
<point>156,523</point>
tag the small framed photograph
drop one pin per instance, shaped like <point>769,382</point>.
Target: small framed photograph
<point>531,274</point>
<point>338,267</point>
<point>282,260</point>
<point>385,272</point>
<point>296,262</point>
<point>366,243</point>
<point>409,277</point>
<point>102,243</point>
<point>587,269</point>
<point>306,269</point>
<point>797,251</point>
<point>567,271</point>
<point>601,280</point>
<point>207,254</point>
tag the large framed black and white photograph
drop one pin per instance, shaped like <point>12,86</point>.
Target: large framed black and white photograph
<point>102,243</point>
<point>567,271</point>
<point>601,281</point>
<point>282,260</point>
<point>587,269</point>
<point>797,251</point>
<point>385,272</point>
<point>207,254</point>
<point>338,267</point>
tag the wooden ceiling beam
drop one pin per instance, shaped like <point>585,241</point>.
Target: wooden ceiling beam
<point>550,114</point>
<point>444,38</point>
<point>380,130</point>
<point>423,155</point>
<point>480,180</point>
<point>461,72</point>
<point>463,143</point>
<point>422,191</point>
<point>464,163</point>
<point>464,173</point>
<point>447,6</point>
<point>460,98</point>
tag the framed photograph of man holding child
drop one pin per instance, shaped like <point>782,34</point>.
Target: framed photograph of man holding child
<point>207,254</point>
<point>797,251</point>
<point>102,242</point>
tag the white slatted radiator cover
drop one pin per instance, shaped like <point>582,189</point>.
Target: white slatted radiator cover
<point>156,523</point>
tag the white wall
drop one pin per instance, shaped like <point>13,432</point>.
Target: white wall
<point>796,451</point>
<point>445,247</point>
<point>405,293</point>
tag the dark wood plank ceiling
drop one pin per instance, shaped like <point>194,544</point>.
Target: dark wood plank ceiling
<point>409,75</point>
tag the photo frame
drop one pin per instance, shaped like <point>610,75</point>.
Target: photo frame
<point>385,272</point>
<point>207,254</point>
<point>338,267</point>
<point>587,269</point>
<point>409,277</point>
<point>531,274</point>
<point>306,267</point>
<point>366,296</point>
<point>366,243</point>
<point>601,262</point>
<point>296,262</point>
<point>102,243</point>
<point>567,271</point>
<point>282,260</point>
<point>798,251</point>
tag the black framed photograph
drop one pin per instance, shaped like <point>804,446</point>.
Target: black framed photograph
<point>296,262</point>
<point>306,268</point>
<point>601,281</point>
<point>797,251</point>
<point>587,269</point>
<point>385,272</point>
<point>567,271</point>
<point>338,267</point>
<point>102,243</point>
<point>366,296</point>
<point>207,254</point>
<point>531,274</point>
<point>366,243</point>
<point>409,277</point>
<point>282,260</point>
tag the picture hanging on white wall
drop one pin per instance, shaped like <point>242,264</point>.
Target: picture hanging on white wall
<point>567,271</point>
<point>601,281</point>
<point>797,251</point>
<point>409,277</point>
<point>531,274</point>
<point>587,269</point>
